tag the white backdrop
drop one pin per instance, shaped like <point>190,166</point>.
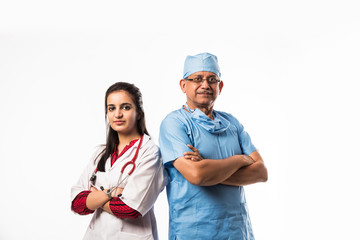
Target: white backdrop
<point>289,69</point>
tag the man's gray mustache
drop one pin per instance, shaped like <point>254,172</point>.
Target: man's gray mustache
<point>207,92</point>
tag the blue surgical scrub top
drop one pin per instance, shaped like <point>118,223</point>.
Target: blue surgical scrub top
<point>204,212</point>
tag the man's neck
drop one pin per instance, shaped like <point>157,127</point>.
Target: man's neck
<point>207,110</point>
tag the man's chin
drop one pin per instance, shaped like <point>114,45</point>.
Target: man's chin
<point>204,104</point>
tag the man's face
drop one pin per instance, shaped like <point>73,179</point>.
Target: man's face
<point>201,94</point>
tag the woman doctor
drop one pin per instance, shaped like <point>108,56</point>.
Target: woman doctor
<point>122,205</point>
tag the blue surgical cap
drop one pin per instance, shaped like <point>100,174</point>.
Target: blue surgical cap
<point>203,62</point>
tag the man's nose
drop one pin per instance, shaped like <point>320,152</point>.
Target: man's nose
<point>205,84</point>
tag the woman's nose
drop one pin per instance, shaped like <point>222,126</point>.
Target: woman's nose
<point>118,113</point>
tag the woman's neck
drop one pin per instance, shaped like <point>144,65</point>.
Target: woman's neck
<point>126,139</point>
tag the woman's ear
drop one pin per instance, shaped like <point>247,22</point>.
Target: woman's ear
<point>138,116</point>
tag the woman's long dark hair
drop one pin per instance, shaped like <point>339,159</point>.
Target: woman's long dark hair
<point>112,136</point>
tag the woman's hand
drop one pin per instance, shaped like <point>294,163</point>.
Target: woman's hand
<point>116,192</point>
<point>96,199</point>
<point>193,156</point>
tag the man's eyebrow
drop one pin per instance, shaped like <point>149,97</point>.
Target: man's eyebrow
<point>211,75</point>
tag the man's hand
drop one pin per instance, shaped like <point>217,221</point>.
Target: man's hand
<point>193,156</point>
<point>253,173</point>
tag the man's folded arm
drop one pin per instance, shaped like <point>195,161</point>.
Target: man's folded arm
<point>253,173</point>
<point>208,172</point>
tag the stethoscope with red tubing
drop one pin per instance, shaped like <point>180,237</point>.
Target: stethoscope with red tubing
<point>131,162</point>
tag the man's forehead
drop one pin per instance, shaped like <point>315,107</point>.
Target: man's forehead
<point>203,73</point>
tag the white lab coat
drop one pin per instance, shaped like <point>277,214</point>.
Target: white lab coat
<point>140,192</point>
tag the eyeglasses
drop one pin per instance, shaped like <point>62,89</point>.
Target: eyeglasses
<point>210,80</point>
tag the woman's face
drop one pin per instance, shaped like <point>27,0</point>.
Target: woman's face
<point>121,113</point>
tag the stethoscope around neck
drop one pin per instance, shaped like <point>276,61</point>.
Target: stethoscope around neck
<point>120,181</point>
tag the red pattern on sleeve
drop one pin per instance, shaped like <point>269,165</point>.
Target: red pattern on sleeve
<point>118,207</point>
<point>121,210</point>
<point>78,205</point>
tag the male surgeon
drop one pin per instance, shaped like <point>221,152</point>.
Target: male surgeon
<point>209,157</point>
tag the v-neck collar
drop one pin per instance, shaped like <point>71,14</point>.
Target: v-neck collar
<point>126,154</point>
<point>218,125</point>
<point>115,156</point>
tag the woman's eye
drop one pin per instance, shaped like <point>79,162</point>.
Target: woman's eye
<point>111,109</point>
<point>126,107</point>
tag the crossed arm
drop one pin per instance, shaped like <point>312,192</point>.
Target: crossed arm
<point>98,199</point>
<point>236,170</point>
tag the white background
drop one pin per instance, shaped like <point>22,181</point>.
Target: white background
<point>289,67</point>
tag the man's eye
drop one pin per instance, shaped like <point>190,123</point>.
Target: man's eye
<point>197,79</point>
<point>212,79</point>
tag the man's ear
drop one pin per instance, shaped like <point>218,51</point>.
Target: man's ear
<point>183,85</point>
<point>221,85</point>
